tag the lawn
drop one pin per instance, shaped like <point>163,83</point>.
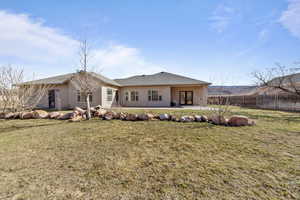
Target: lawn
<point>96,159</point>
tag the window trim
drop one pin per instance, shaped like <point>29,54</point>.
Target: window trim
<point>134,95</point>
<point>109,97</point>
<point>153,95</point>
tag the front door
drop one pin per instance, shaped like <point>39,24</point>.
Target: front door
<point>51,98</point>
<point>186,97</point>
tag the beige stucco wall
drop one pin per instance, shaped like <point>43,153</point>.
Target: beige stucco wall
<point>61,97</point>
<point>164,91</point>
<point>66,97</point>
<point>199,94</point>
<point>105,103</point>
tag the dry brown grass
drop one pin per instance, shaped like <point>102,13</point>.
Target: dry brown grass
<point>48,159</point>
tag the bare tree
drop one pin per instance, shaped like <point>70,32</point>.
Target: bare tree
<point>280,78</point>
<point>83,80</point>
<point>16,95</point>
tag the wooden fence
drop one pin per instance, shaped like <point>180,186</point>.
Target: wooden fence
<point>273,102</point>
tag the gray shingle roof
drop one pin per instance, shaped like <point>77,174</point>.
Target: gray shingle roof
<point>161,78</point>
<point>61,79</point>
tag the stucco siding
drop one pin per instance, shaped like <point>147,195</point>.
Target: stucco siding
<point>61,97</point>
<point>106,102</point>
<point>199,94</point>
<point>164,91</point>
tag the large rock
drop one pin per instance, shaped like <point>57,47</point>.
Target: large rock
<point>40,114</point>
<point>238,120</point>
<point>54,115</point>
<point>76,118</point>
<point>164,117</point>
<point>145,117</point>
<point>67,116</point>
<point>100,113</point>
<point>218,120</point>
<point>187,119</point>
<point>109,115</point>
<point>198,118</point>
<point>2,115</point>
<point>123,116</point>
<point>204,118</point>
<point>9,115</point>
<point>99,107</point>
<point>132,117</point>
<point>26,115</point>
<point>79,110</point>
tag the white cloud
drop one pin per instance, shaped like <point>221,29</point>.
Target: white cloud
<point>27,39</point>
<point>47,51</point>
<point>122,61</point>
<point>290,18</point>
<point>221,18</point>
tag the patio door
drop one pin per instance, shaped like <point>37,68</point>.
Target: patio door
<point>51,98</point>
<point>186,97</point>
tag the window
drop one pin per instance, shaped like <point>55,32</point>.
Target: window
<point>126,96</point>
<point>134,96</point>
<point>117,96</point>
<point>109,94</point>
<point>153,96</point>
<point>81,97</point>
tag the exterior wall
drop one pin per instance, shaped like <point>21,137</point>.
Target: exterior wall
<point>72,95</point>
<point>164,91</point>
<point>66,96</point>
<point>61,97</point>
<point>105,103</point>
<point>199,94</point>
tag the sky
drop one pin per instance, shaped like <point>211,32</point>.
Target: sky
<point>219,41</point>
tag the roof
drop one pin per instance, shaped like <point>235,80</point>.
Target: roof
<point>161,78</point>
<point>61,79</point>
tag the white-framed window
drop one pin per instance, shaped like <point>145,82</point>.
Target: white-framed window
<point>154,96</point>
<point>109,94</point>
<point>134,96</point>
<point>126,96</point>
<point>81,96</point>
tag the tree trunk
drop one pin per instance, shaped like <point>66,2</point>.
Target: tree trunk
<point>88,107</point>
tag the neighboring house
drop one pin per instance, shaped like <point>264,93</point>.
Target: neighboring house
<point>158,90</point>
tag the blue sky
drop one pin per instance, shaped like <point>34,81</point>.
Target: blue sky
<point>221,41</point>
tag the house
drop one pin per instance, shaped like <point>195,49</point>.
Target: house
<point>157,90</point>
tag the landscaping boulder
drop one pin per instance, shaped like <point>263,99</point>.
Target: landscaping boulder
<point>9,115</point>
<point>132,117</point>
<point>164,117</point>
<point>67,116</point>
<point>100,113</point>
<point>198,118</point>
<point>40,114</point>
<point>218,120</point>
<point>79,110</point>
<point>99,107</point>
<point>109,115</point>
<point>123,116</point>
<point>2,115</point>
<point>145,117</point>
<point>187,119</point>
<point>76,118</point>
<point>238,120</point>
<point>204,118</point>
<point>26,115</point>
<point>54,115</point>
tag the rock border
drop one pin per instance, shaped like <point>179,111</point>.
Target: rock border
<point>79,114</point>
